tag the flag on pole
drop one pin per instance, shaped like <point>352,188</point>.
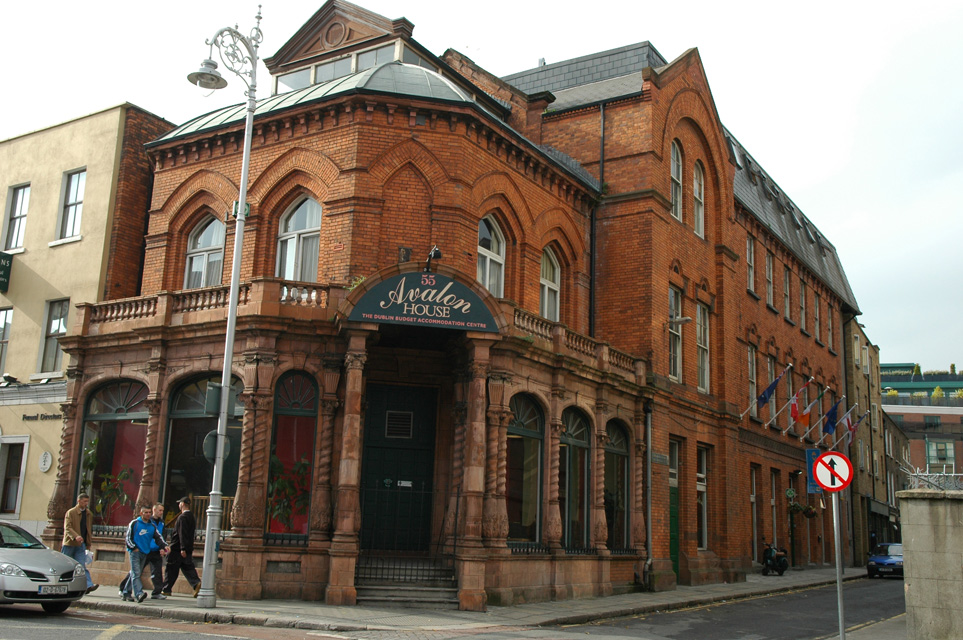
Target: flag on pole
<point>807,413</point>
<point>829,428</point>
<point>852,427</point>
<point>763,398</point>
<point>794,403</point>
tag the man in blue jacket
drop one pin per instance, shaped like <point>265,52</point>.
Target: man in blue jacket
<point>140,533</point>
<point>154,558</point>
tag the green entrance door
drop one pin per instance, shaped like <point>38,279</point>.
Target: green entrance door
<point>396,468</point>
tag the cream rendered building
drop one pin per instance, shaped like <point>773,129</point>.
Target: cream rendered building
<point>74,201</point>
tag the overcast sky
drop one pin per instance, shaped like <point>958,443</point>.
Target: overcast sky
<point>854,108</point>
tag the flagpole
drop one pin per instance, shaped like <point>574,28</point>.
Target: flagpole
<point>818,421</point>
<point>845,415</point>
<point>771,385</point>
<point>834,425</point>
<point>794,397</point>
<point>848,431</point>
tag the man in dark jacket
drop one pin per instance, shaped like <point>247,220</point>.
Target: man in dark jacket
<point>181,556</point>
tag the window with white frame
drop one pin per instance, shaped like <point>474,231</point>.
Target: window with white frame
<point>865,351</point>
<point>13,463</point>
<point>55,328</point>
<point>856,349</point>
<point>17,216</point>
<point>817,303</point>
<point>299,239</point>
<point>873,416</point>
<point>491,257</point>
<point>875,464</point>
<point>789,394</point>
<point>862,462</point>
<point>549,285</point>
<point>829,326</point>
<point>771,375</point>
<point>6,318</point>
<point>295,80</point>
<point>675,333</point>
<point>674,448</point>
<point>205,254</point>
<point>753,393</point>
<point>702,507</point>
<point>73,204</point>
<point>332,70</point>
<point>702,345</point>
<point>802,304</point>
<point>375,57</point>
<point>676,166</point>
<point>786,301</point>
<point>699,200</point>
<point>750,263</point>
<point>770,286</point>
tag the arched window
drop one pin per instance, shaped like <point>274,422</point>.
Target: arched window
<point>617,486</point>
<point>298,242</point>
<point>112,450</point>
<point>205,254</point>
<point>292,455</point>
<point>550,282</point>
<point>573,479</point>
<point>676,181</point>
<point>699,200</point>
<point>523,485</point>
<point>191,447</point>
<point>491,257</point>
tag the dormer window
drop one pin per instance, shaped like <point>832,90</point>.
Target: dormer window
<point>374,57</point>
<point>295,80</point>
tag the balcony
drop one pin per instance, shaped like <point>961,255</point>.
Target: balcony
<point>922,401</point>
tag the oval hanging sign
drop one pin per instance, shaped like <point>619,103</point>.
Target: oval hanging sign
<point>424,300</point>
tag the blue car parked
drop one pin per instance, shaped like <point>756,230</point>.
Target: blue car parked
<point>886,560</point>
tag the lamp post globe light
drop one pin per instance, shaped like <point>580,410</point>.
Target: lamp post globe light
<point>239,55</point>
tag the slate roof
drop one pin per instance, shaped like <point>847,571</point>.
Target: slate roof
<point>591,68</point>
<point>594,92</point>
<point>763,198</point>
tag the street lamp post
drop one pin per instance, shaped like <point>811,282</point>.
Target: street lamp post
<point>239,55</point>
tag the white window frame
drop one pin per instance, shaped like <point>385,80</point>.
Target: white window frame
<point>817,303</point>
<point>549,289</point>
<point>802,304</point>
<point>829,326</point>
<point>770,287</point>
<point>72,206</point>
<point>856,349</point>
<point>675,449</point>
<point>676,176</point>
<point>486,258</point>
<point>6,321</point>
<point>5,441</point>
<point>702,346</point>
<point>675,334</point>
<point>298,238</point>
<point>702,517</point>
<point>204,253</point>
<point>750,263</point>
<point>57,369</point>
<point>16,219</point>
<point>771,374</point>
<point>699,200</point>
<point>753,387</point>
<point>786,293</point>
<point>789,395</point>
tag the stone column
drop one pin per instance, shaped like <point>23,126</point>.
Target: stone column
<point>553,516</point>
<point>148,492</point>
<point>67,465</point>
<point>638,495</point>
<point>600,531</point>
<point>344,543</point>
<point>495,514</point>
<point>321,498</point>
<point>248,512</point>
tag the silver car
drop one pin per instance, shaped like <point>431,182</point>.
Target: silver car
<point>30,572</point>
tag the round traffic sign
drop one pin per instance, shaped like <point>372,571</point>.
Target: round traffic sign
<point>833,471</point>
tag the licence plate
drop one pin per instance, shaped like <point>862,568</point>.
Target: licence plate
<point>55,590</point>
<point>885,569</point>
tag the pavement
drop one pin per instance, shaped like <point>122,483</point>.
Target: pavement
<point>318,616</point>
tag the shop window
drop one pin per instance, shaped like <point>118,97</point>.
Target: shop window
<point>112,450</point>
<point>12,468</point>
<point>205,254</point>
<point>549,286</point>
<point>292,455</point>
<point>616,491</point>
<point>523,487</point>
<point>491,257</point>
<point>298,242</point>
<point>574,470</point>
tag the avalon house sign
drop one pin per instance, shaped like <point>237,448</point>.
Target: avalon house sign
<point>424,300</point>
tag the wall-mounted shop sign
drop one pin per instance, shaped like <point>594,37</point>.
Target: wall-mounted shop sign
<point>424,300</point>
<point>6,263</point>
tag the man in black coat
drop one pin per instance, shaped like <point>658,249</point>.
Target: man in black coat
<point>181,557</point>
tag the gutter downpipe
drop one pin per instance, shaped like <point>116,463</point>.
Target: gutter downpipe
<point>647,568</point>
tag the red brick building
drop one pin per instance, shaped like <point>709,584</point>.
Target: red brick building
<point>553,410</point>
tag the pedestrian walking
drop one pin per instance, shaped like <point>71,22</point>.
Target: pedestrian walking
<point>78,531</point>
<point>181,556</point>
<point>140,532</point>
<point>155,558</point>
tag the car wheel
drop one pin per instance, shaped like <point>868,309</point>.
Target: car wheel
<point>765,571</point>
<point>54,607</point>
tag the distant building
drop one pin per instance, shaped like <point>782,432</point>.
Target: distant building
<point>74,199</point>
<point>931,419</point>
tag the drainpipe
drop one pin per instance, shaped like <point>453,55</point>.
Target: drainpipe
<point>647,570</point>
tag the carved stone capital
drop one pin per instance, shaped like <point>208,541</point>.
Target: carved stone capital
<point>329,406</point>
<point>355,361</point>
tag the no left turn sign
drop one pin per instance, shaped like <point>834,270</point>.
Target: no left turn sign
<point>833,471</point>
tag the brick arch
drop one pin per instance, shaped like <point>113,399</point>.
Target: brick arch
<point>290,189</point>
<point>409,152</point>
<point>494,185</point>
<point>555,225</point>
<point>318,172</point>
<point>182,222</point>
<point>221,189</point>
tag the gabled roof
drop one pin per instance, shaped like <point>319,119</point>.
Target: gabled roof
<point>587,69</point>
<point>762,197</point>
<point>337,24</point>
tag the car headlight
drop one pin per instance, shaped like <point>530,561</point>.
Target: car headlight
<point>8,569</point>
<point>79,570</point>
<point>899,563</point>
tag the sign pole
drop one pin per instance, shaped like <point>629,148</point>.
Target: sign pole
<point>839,564</point>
